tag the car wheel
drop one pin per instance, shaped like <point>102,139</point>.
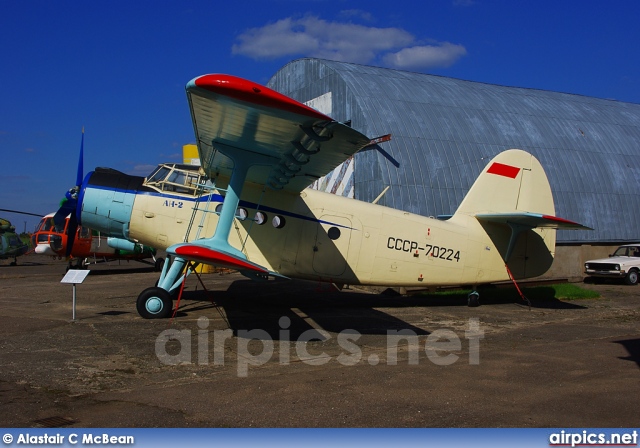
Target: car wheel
<point>632,277</point>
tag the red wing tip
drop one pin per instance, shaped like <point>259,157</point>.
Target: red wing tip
<point>567,222</point>
<point>213,256</point>
<point>557,219</point>
<point>251,92</point>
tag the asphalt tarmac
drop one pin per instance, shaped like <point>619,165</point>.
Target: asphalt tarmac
<point>298,354</point>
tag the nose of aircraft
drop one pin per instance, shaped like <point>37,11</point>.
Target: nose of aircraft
<point>44,249</point>
<point>105,201</point>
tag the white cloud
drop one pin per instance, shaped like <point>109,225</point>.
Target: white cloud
<point>442,55</point>
<point>343,41</point>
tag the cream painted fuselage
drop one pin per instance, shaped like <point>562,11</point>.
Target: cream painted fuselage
<point>331,238</point>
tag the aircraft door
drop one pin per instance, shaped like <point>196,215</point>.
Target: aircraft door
<point>331,248</point>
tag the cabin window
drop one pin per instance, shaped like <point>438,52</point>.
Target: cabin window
<point>278,222</point>
<point>241,213</point>
<point>334,233</point>
<point>260,218</point>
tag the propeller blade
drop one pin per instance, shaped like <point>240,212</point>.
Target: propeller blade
<point>71,233</point>
<point>69,204</point>
<point>67,207</point>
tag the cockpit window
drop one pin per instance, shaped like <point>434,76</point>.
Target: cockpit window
<point>159,174</point>
<point>46,224</point>
<point>176,178</point>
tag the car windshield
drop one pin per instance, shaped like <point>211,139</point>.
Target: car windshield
<point>627,251</point>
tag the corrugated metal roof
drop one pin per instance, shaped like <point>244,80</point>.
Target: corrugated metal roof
<point>444,131</point>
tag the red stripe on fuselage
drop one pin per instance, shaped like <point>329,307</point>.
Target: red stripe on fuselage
<point>503,170</point>
<point>250,92</point>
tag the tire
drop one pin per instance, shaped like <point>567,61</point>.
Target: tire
<point>154,303</point>
<point>632,277</point>
<point>473,299</point>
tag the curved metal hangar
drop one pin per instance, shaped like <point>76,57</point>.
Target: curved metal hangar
<point>444,130</point>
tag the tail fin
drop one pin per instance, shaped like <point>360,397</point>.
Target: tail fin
<point>512,201</point>
<point>514,181</point>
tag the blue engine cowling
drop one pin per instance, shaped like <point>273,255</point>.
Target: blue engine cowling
<point>106,200</point>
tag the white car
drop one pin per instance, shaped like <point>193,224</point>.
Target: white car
<point>623,263</point>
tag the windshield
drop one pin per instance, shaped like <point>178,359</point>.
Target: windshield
<point>177,178</point>
<point>627,251</point>
<point>46,224</point>
<point>159,174</point>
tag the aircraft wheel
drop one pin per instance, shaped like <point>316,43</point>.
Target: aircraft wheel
<point>473,299</point>
<point>159,264</point>
<point>154,303</point>
<point>632,277</point>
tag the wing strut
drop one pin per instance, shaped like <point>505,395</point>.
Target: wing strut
<point>217,250</point>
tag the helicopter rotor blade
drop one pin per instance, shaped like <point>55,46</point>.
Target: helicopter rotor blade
<point>20,213</point>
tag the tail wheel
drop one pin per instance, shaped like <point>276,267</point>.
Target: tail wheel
<point>632,277</point>
<point>473,299</point>
<point>154,303</point>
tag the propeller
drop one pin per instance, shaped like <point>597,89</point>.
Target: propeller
<point>69,204</point>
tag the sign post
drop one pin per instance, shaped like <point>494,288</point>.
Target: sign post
<point>75,276</point>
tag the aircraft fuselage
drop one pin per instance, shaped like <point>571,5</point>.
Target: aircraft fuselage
<point>311,235</point>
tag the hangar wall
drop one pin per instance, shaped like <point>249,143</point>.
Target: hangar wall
<point>445,130</point>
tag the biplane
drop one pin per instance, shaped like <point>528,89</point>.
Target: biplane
<point>248,207</point>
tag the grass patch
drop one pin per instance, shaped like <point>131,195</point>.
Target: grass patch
<point>561,291</point>
<point>571,291</point>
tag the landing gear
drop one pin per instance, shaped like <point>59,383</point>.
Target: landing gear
<point>154,303</point>
<point>473,299</point>
<point>79,264</point>
<point>159,263</point>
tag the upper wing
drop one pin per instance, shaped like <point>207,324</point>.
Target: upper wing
<point>291,144</point>
<point>532,220</point>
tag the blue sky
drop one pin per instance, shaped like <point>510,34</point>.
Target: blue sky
<point>119,68</point>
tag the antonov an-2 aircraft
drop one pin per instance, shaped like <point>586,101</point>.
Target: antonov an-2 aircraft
<point>248,208</point>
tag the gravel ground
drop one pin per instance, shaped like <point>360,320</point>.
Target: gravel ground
<point>297,354</point>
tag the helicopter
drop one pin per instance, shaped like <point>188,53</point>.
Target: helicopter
<point>11,246</point>
<point>88,244</point>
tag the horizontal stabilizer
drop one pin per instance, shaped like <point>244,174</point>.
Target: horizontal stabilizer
<point>216,257</point>
<point>532,220</point>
